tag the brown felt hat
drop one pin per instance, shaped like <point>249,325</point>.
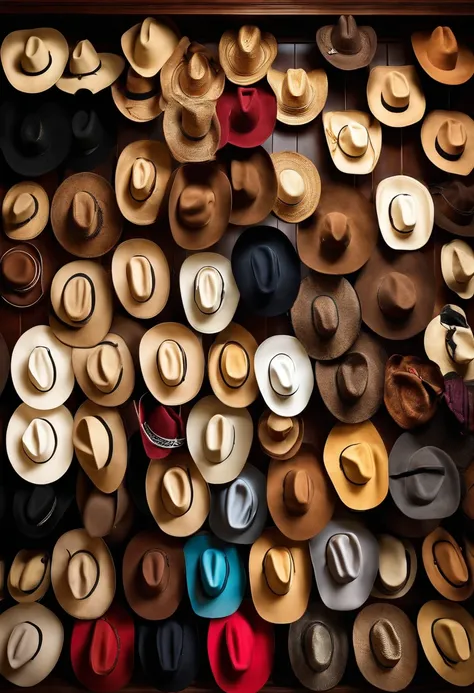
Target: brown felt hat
<point>301,95</point>
<point>354,139</point>
<point>106,515</point>
<point>346,45</point>
<point>88,69</point>
<point>442,57</point>
<point>193,72</point>
<point>447,138</point>
<point>136,97</point>
<point>395,95</point>
<point>192,130</point>
<point>230,366</point>
<point>30,575</point>
<point>149,44</point>
<point>153,574</point>
<point>246,55</point>
<point>338,238</point>
<point>299,186</point>
<point>446,566</point>
<point>25,211</point>
<point>280,437</point>
<point>396,293</point>
<point>398,567</point>
<point>454,207</point>
<point>21,276</point>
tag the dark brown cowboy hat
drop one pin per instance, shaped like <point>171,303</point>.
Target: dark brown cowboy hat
<point>454,207</point>
<point>21,276</point>
<point>346,45</point>
<point>107,515</point>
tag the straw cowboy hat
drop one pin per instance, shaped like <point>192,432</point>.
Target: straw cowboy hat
<point>246,55</point>
<point>103,515</point>
<point>41,369</point>
<point>162,428</point>
<point>345,558</point>
<point>447,139</point>
<point>90,70</point>
<point>177,494</point>
<point>398,566</point>
<point>301,95</point>
<point>405,212</point>
<point>385,646</point>
<point>299,496</point>
<point>284,374</point>
<point>230,366</point>
<point>25,211</point>
<point>141,177</point>
<point>299,186</point>
<point>172,363</point>
<point>446,567</point>
<point>219,439</point>
<point>34,59</point>
<point>457,266</point>
<point>346,45</point>
<point>30,575</point>
<point>354,139</point>
<point>318,648</point>
<point>83,575</point>
<point>148,45</point>
<point>199,206</point>
<point>136,97</point>
<point>153,574</point>
<point>81,304</point>
<point>193,72</point>
<point>21,276</point>
<point>37,510</point>
<point>454,207</point>
<point>280,437</point>
<point>31,641</point>
<point>280,577</point>
<point>395,95</point>
<point>442,57</point>
<point>192,130</point>
<point>446,633</point>
<point>247,116</point>
<point>449,342</point>
<point>100,443</point>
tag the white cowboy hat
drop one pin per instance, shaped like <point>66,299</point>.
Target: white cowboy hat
<point>405,212</point>
<point>354,139</point>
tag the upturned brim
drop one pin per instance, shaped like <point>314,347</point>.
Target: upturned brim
<point>435,347</point>
<point>429,132</point>
<point>417,104</point>
<point>404,185</point>
<point>183,148</point>
<point>284,449</point>
<point>463,70</point>
<point>312,186</point>
<point>33,228</point>
<point>343,61</point>
<point>379,592</point>
<point>137,110</point>
<point>229,58</point>
<point>20,562</point>
<point>434,571</point>
<point>463,290</point>
<point>111,67</point>
<point>246,393</point>
<point>300,116</point>
<point>333,122</point>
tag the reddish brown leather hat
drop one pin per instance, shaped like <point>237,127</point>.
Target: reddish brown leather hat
<point>21,276</point>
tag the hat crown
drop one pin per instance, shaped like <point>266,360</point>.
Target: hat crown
<point>234,364</point>
<point>196,122</point>
<point>86,214</point>
<point>240,642</point>
<point>462,263</point>
<point>140,278</point>
<point>245,181</point>
<point>396,296</point>
<point>324,316</point>
<point>33,572</point>
<point>249,39</point>
<point>92,437</point>
<point>39,441</point>
<point>291,186</point>
<point>171,363</point>
<point>385,643</point>
<point>169,645</point>
<point>427,467</point>
<point>214,571</point>
<point>403,213</point>
<point>196,78</point>
<point>142,179</point>
<point>23,644</point>
<point>396,90</point>
<point>84,59</point>
<point>35,57</point>
<point>451,564</point>
<point>352,376</point>
<point>298,491</point>
<point>209,290</point>
<point>176,491</point>
<point>393,563</point>
<point>241,503</point>
<point>344,557</point>
<point>442,48</point>
<point>452,640</point>
<point>219,438</point>
<point>353,139</point>
<point>78,298</point>
<point>196,206</point>
<point>40,505</point>
<point>23,208</point>
<point>82,574</point>
<point>104,647</point>
<point>20,270</point>
<point>279,568</point>
<point>41,369</point>
<point>345,36</point>
<point>279,427</point>
<point>155,570</point>
<point>357,463</point>
<point>335,234</point>
<point>283,375</point>
<point>34,137</point>
<point>318,646</point>
<point>104,367</point>
<point>296,89</point>
<point>451,138</point>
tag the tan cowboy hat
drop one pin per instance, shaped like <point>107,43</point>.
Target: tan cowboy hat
<point>398,566</point>
<point>457,266</point>
<point>39,443</point>
<point>405,212</point>
<point>247,55</point>
<point>81,303</point>
<point>442,57</point>
<point>172,363</point>
<point>301,95</point>
<point>219,439</point>
<point>141,277</point>
<point>100,443</point>
<point>280,577</point>
<point>447,138</point>
<point>280,437</point>
<point>299,186</point>
<point>193,72</point>
<point>395,95</point>
<point>354,139</point>
<point>90,70</point>
<point>148,45</point>
<point>446,566</point>
<point>443,331</point>
<point>142,174</point>
<point>192,130</point>
<point>25,211</point>
<point>177,494</point>
<point>137,98</point>
<point>83,575</point>
<point>30,575</point>
<point>34,59</point>
<point>356,460</point>
<point>230,366</point>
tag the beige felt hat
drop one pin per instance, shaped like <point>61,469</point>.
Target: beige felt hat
<point>354,139</point>
<point>447,138</point>
<point>100,443</point>
<point>301,95</point>
<point>457,266</point>
<point>219,439</point>
<point>398,566</point>
<point>30,575</point>
<point>280,437</point>
<point>405,212</point>
<point>90,70</point>
<point>34,59</point>
<point>142,174</point>
<point>461,358</point>
<point>31,641</point>
<point>25,211</point>
<point>395,95</point>
<point>247,55</point>
<point>446,566</point>
<point>39,443</point>
<point>137,98</point>
<point>192,130</point>
<point>299,186</point>
<point>192,71</point>
<point>83,575</point>
<point>177,494</point>
<point>442,57</point>
<point>172,363</point>
<point>148,45</point>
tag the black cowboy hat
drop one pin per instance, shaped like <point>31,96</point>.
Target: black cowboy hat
<point>37,510</point>
<point>91,141</point>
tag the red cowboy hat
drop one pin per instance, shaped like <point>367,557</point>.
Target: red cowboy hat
<point>247,116</point>
<point>102,651</point>
<point>161,427</point>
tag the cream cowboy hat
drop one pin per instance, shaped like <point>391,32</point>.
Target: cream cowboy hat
<point>457,266</point>
<point>449,342</point>
<point>299,186</point>
<point>30,575</point>
<point>398,566</point>
<point>395,95</point>
<point>405,212</point>
<point>90,70</point>
<point>148,45</point>
<point>447,138</point>
<point>247,55</point>
<point>34,59</point>
<point>192,130</point>
<point>354,139</point>
<point>301,95</point>
<point>25,211</point>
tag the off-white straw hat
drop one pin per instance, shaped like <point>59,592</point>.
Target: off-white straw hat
<point>301,95</point>
<point>405,212</point>
<point>25,211</point>
<point>354,139</point>
<point>34,59</point>
<point>457,266</point>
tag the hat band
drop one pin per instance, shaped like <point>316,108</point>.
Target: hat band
<point>49,514</point>
<point>446,659</point>
<point>120,378</point>
<point>393,109</point>
<point>353,156</point>
<point>143,96</point>
<point>438,566</point>
<point>159,441</point>
<point>111,440</point>
<point>80,75</point>
<point>54,448</point>
<point>84,321</point>
<point>40,639</point>
<point>427,469</point>
<point>53,365</point>
<point>38,72</point>
<point>191,486</point>
<point>44,561</point>
<point>152,187</point>
<point>19,224</point>
<point>222,374</point>
<point>94,586</point>
<point>222,296</point>
<point>390,216</point>
<point>446,155</point>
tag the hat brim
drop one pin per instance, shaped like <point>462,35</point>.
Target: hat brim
<point>429,131</point>
<point>463,290</point>
<point>334,122</point>
<point>417,102</point>
<point>379,592</point>
<point>280,449</point>
<point>463,70</point>
<point>434,571</point>
<point>387,190</point>
<point>368,40</point>
<point>110,68</point>
<point>31,229</point>
<point>300,116</point>
<point>228,47</point>
<point>246,393</point>
<point>20,562</point>
<point>183,148</point>
<point>295,213</point>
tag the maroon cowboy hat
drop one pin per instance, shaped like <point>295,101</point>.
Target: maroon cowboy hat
<point>247,116</point>
<point>161,427</point>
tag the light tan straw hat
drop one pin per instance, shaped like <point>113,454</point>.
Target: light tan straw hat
<point>137,98</point>
<point>442,57</point>
<point>405,212</point>
<point>25,211</point>
<point>280,437</point>
<point>148,45</point>
<point>30,575</point>
<point>449,342</point>
<point>192,130</point>
<point>395,95</point>
<point>398,566</point>
<point>447,138</point>
<point>354,139</point>
<point>192,71</point>
<point>301,95</point>
<point>457,266</point>
<point>90,70</point>
<point>34,59</point>
<point>299,186</point>
<point>247,55</point>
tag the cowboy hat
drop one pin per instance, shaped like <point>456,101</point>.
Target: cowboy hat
<point>142,174</point>
<point>446,138</point>
<point>34,59</point>
<point>300,95</point>
<point>148,45</point>
<point>354,139</point>
<point>199,205</point>
<point>318,648</point>
<point>92,143</point>
<point>30,575</point>
<point>395,95</point>
<point>136,97</point>
<point>246,55</point>
<point>215,576</point>
<point>345,558</point>
<point>193,72</point>
<point>346,45</point>
<point>385,646</point>
<point>31,641</point>
<point>90,70</point>
<point>100,443</point>
<point>153,574</point>
<point>21,276</point>
<point>37,510</point>
<point>230,366</point>
<point>280,437</point>
<point>446,633</point>
<point>41,369</point>
<point>284,374</point>
<point>299,186</point>
<point>162,428</point>
<point>25,211</point>
<point>192,130</point>
<point>339,242</point>
<point>446,567</point>
<point>405,212</point>
<point>81,304</point>
<point>442,57</point>
<point>454,207</point>
<point>280,577</point>
<point>247,116</point>
<point>398,566</point>
<point>449,342</point>
<point>105,515</point>
<point>172,363</point>
<point>299,496</point>
<point>219,439</point>
<point>457,267</point>
<point>177,495</point>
